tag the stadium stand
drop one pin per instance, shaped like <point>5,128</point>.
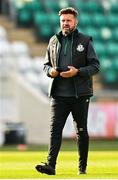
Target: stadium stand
<point>96,18</point>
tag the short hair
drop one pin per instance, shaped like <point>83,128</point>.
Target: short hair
<point>68,10</point>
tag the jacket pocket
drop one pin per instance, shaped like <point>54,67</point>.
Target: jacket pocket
<point>84,85</point>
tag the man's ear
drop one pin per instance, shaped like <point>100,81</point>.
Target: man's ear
<point>76,22</point>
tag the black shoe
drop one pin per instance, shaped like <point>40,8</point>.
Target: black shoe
<point>82,171</point>
<point>47,169</point>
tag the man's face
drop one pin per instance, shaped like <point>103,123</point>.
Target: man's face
<point>68,23</point>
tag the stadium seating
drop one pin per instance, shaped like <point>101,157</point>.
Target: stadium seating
<point>102,25</point>
<point>94,32</point>
<point>23,13</point>
<point>100,49</point>
<point>37,6</point>
<point>112,21</point>
<point>52,5</point>
<point>44,32</point>
<point>96,18</point>
<point>41,18</point>
<point>25,18</point>
<point>85,20</point>
<point>114,8</point>
<point>99,20</point>
<point>89,7</point>
<point>3,33</point>
<point>115,34</point>
<point>106,34</point>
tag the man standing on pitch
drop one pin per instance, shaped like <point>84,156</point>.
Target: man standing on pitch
<point>71,62</point>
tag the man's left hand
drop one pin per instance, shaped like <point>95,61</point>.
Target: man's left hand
<point>70,73</point>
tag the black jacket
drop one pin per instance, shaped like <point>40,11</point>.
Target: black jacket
<point>87,66</point>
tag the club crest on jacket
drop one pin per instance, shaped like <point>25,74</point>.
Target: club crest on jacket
<point>80,48</point>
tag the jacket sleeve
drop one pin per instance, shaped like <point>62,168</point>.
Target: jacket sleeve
<point>93,65</point>
<point>47,62</point>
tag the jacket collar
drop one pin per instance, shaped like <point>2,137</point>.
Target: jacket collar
<point>59,35</point>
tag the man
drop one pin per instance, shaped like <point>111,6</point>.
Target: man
<point>71,62</point>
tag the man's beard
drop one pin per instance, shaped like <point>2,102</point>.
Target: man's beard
<point>68,31</point>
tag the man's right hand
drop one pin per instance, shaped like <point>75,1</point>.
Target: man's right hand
<point>54,73</point>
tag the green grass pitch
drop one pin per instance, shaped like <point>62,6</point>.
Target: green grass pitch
<point>20,165</point>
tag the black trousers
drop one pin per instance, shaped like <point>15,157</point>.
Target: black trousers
<point>60,109</point>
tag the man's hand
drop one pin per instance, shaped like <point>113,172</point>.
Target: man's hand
<point>54,73</point>
<point>70,73</point>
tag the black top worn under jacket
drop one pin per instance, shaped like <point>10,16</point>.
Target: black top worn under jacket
<point>81,55</point>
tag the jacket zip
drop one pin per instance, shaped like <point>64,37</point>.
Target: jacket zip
<point>58,52</point>
<point>72,64</point>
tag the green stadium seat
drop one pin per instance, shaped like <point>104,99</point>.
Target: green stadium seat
<point>108,71</point>
<point>52,5</point>
<point>115,63</point>
<point>41,18</point>
<point>54,18</point>
<point>28,5</point>
<point>79,5</point>
<point>89,7</point>
<point>37,6</point>
<point>93,7</point>
<point>110,77</point>
<point>99,20</point>
<point>23,13</point>
<point>54,22</point>
<point>114,8</point>
<point>94,32</point>
<point>106,63</point>
<point>85,20</point>
<point>24,18</point>
<point>44,32</point>
<point>100,48</point>
<point>115,34</point>
<point>112,20</point>
<point>42,26</point>
<point>111,49</point>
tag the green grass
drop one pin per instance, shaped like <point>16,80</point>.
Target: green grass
<point>21,165</point>
<point>102,162</point>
